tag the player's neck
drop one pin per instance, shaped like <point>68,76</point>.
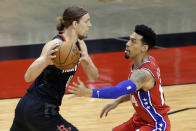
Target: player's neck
<point>138,60</point>
<point>70,35</point>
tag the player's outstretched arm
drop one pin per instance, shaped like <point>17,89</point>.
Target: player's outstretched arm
<point>42,62</point>
<point>86,62</point>
<point>112,105</point>
<point>138,80</point>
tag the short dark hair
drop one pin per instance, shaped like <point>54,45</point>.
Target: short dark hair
<point>73,13</point>
<point>149,36</point>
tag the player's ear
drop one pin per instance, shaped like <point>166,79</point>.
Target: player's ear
<point>145,48</point>
<point>74,24</point>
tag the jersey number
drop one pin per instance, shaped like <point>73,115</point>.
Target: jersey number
<point>133,100</point>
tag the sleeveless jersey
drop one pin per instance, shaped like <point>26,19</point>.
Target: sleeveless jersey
<point>150,105</point>
<point>51,83</point>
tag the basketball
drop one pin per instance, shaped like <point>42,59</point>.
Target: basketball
<point>67,56</point>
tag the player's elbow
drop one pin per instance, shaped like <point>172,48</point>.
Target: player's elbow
<point>27,78</point>
<point>95,75</point>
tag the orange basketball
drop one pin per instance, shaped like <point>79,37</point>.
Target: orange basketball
<point>67,56</point>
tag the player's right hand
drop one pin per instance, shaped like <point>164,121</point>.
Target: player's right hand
<point>51,51</point>
<point>108,107</point>
<point>48,51</point>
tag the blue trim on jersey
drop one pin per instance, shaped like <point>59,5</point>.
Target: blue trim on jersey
<point>146,102</point>
<point>149,71</point>
<point>148,61</point>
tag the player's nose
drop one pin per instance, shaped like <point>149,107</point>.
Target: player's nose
<point>128,44</point>
<point>89,25</point>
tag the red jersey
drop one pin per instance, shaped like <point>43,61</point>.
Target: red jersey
<point>150,105</point>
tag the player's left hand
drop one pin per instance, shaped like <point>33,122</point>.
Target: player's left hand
<point>84,59</point>
<point>108,107</point>
<point>80,89</point>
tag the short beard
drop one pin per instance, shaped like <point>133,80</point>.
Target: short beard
<point>82,37</point>
<point>126,56</point>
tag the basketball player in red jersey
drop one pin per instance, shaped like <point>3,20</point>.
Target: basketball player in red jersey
<point>38,109</point>
<point>143,87</point>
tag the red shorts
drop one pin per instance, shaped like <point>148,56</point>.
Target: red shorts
<point>137,124</point>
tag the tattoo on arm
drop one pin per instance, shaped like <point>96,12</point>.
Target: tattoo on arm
<point>138,77</point>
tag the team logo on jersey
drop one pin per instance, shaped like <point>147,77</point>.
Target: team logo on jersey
<point>63,128</point>
<point>98,94</point>
<point>70,70</point>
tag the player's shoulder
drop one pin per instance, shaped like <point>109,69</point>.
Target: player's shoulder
<point>151,58</point>
<point>52,42</point>
<point>151,66</point>
<point>152,62</point>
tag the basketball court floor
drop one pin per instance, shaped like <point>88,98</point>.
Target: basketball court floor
<point>84,112</point>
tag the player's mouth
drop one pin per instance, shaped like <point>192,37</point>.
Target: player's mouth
<point>127,50</point>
